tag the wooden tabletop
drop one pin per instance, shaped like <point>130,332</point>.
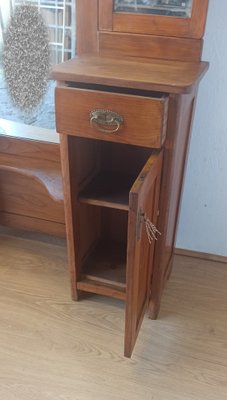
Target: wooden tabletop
<point>157,75</point>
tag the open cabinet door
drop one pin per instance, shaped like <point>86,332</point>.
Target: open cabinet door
<point>143,207</point>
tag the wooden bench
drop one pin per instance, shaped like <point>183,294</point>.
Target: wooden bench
<point>31,194</point>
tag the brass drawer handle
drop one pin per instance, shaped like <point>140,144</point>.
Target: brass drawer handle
<point>106,121</point>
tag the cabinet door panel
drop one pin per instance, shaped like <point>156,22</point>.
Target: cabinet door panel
<point>143,203</point>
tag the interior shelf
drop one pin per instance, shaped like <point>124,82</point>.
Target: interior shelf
<point>104,271</point>
<point>108,190</point>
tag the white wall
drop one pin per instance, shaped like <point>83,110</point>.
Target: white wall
<point>203,218</point>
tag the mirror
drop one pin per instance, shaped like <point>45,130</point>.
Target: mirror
<point>174,8</point>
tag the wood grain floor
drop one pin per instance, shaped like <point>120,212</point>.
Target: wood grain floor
<point>54,349</point>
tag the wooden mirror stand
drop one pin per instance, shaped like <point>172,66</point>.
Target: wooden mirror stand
<point>124,110</point>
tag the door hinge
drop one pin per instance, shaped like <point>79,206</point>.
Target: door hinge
<point>140,216</point>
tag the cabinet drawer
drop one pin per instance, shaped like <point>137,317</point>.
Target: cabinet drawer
<point>142,120</point>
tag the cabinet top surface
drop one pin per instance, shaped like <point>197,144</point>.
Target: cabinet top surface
<point>158,75</point>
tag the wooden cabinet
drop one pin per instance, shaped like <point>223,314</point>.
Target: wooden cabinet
<point>114,192</point>
<point>124,117</point>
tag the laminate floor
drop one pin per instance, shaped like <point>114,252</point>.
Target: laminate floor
<point>54,349</point>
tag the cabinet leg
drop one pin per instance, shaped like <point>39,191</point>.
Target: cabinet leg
<point>169,269</point>
<point>153,309</point>
<point>75,294</point>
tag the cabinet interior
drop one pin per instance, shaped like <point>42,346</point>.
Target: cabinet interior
<point>105,175</point>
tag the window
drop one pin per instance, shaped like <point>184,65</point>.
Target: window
<point>60,18</point>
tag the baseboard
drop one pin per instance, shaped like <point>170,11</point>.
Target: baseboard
<point>198,254</point>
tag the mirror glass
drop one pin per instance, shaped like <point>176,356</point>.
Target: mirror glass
<point>174,8</point>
